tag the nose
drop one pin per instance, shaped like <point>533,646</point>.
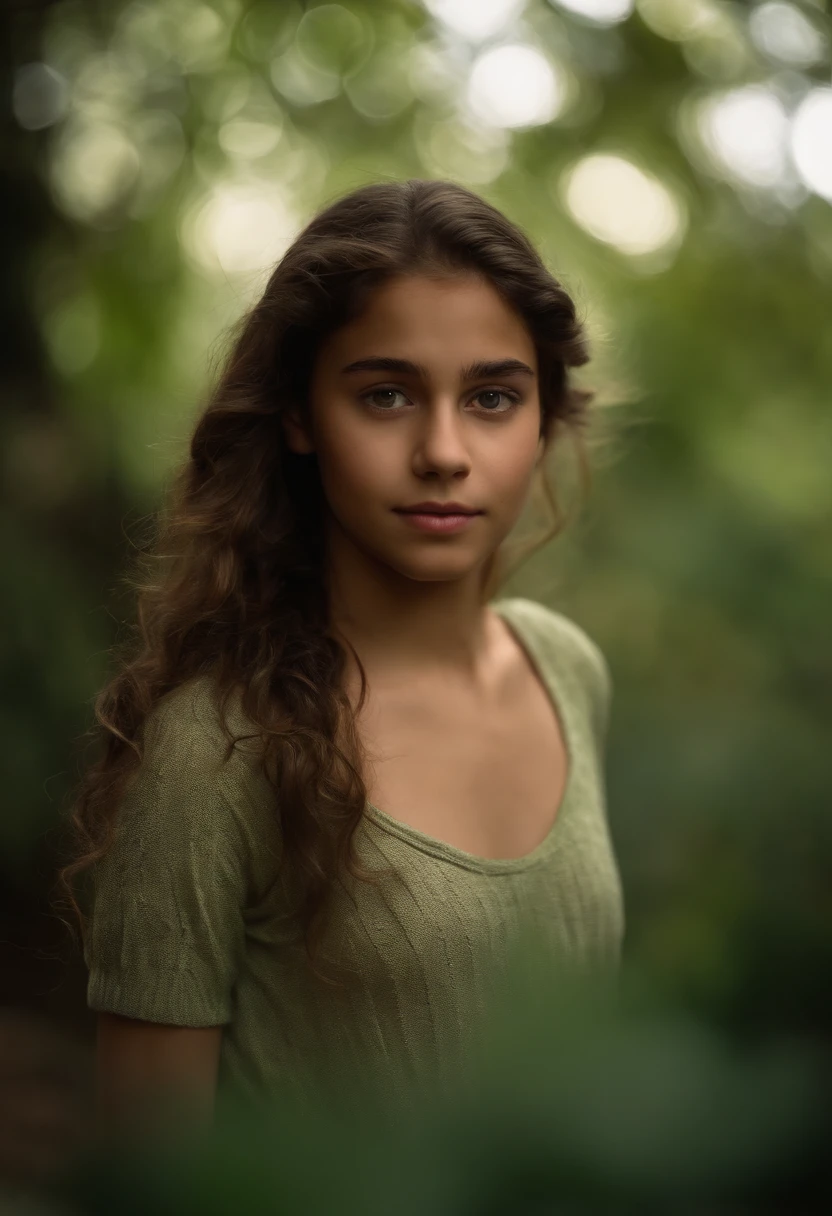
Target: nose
<point>440,436</point>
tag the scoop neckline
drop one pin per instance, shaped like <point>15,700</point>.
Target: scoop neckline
<point>549,675</point>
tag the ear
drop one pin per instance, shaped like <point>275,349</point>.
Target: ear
<point>297,438</point>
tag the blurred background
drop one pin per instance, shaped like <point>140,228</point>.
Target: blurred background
<point>672,160</point>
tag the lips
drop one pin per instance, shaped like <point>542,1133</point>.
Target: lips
<point>432,509</point>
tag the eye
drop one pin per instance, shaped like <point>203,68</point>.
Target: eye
<point>512,398</point>
<point>376,392</point>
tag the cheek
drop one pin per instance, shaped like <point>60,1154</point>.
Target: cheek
<point>515,466</point>
<point>353,459</point>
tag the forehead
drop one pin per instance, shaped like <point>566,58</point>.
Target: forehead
<point>437,319</point>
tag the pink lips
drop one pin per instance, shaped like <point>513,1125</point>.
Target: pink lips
<point>440,524</point>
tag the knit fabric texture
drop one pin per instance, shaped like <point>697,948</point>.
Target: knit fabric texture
<point>189,921</point>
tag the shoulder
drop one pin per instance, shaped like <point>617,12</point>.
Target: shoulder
<point>558,631</point>
<point>188,724</point>
<point>192,709</point>
<point>191,763</point>
<point>570,648</point>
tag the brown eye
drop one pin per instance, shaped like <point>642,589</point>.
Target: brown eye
<point>377,392</point>
<point>512,398</point>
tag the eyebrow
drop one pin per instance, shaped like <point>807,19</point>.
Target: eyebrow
<point>480,369</point>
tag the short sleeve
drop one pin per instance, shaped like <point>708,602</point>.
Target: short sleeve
<point>166,933</point>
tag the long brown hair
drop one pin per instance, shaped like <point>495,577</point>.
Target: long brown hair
<point>232,582</point>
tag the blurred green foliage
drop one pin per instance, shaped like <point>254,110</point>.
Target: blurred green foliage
<point>582,1101</point>
<point>164,152</point>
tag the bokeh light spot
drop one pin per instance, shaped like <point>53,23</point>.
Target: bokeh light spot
<point>515,86</point>
<point>620,204</point>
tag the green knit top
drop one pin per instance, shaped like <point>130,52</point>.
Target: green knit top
<point>189,923</point>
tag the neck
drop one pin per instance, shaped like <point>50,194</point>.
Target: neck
<point>406,629</point>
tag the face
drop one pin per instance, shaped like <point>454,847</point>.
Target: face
<point>431,426</point>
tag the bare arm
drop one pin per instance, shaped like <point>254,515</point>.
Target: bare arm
<point>144,1068</point>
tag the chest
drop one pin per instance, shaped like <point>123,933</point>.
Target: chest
<point>487,781</point>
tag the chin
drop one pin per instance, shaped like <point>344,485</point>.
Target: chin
<point>431,570</point>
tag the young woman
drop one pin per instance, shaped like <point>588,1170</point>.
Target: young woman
<point>338,778</point>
